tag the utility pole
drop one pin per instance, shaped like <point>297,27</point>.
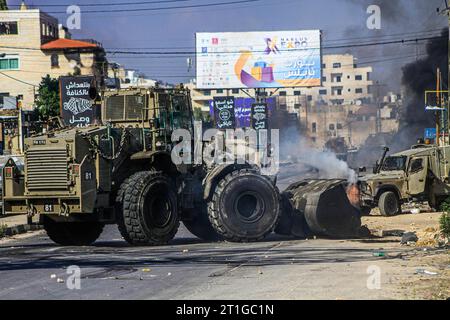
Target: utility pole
<point>446,11</point>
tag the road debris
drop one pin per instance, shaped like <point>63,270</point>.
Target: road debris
<point>379,254</point>
<point>409,237</point>
<point>423,271</point>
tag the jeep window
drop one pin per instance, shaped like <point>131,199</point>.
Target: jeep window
<point>416,165</point>
<point>394,164</point>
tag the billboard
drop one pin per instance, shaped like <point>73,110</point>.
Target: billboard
<point>76,105</point>
<point>274,59</point>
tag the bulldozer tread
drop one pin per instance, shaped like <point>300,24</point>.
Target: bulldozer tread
<point>73,233</point>
<point>120,220</point>
<point>219,221</point>
<point>130,222</point>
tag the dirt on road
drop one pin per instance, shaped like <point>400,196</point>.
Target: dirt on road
<point>421,273</point>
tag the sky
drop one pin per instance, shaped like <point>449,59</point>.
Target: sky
<point>343,20</point>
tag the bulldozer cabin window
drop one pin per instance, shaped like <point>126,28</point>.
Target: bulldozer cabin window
<point>181,117</point>
<point>128,108</point>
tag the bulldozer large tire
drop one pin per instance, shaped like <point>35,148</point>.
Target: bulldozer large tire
<point>200,226</point>
<point>73,233</point>
<point>149,214</point>
<point>389,204</point>
<point>245,206</point>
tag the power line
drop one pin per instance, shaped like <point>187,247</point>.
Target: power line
<point>356,45</point>
<point>181,53</point>
<point>164,8</point>
<point>348,65</point>
<point>422,33</point>
<point>18,80</point>
<point>107,4</point>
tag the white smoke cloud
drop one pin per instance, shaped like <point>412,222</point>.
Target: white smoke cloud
<point>326,163</point>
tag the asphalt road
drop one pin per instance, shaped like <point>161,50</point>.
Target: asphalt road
<point>36,268</point>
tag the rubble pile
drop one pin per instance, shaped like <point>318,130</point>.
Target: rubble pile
<point>431,237</point>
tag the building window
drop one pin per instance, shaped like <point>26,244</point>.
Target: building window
<point>358,78</point>
<point>54,60</point>
<point>359,90</point>
<point>337,65</point>
<point>309,98</point>
<point>235,91</point>
<point>323,92</point>
<point>314,127</point>
<point>331,127</point>
<point>324,66</point>
<point>207,92</point>
<point>339,126</point>
<point>297,93</point>
<point>7,28</point>
<point>219,91</point>
<point>282,93</point>
<point>324,79</point>
<point>337,91</point>
<point>9,64</point>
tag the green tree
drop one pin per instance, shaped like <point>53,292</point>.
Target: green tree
<point>3,5</point>
<point>444,221</point>
<point>47,102</point>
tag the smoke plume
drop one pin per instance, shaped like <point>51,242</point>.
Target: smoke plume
<point>317,163</point>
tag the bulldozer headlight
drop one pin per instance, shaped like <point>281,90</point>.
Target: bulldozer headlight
<point>9,172</point>
<point>75,170</point>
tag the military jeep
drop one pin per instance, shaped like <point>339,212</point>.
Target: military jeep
<point>418,174</point>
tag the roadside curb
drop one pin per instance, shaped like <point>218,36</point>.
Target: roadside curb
<point>21,229</point>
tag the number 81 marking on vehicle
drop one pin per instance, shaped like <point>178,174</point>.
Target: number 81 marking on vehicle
<point>49,208</point>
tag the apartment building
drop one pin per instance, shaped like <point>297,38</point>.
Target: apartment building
<point>353,123</point>
<point>343,83</point>
<point>32,45</point>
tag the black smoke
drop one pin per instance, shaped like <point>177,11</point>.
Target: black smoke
<point>419,77</point>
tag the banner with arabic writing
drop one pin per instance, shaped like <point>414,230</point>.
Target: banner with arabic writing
<point>224,112</point>
<point>76,106</point>
<point>276,59</point>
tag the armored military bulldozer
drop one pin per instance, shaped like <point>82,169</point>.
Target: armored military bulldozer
<point>121,172</point>
<point>420,174</point>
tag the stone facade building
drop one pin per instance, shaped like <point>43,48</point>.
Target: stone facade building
<point>33,45</point>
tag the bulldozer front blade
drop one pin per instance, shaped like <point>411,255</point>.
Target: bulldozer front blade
<point>325,207</point>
